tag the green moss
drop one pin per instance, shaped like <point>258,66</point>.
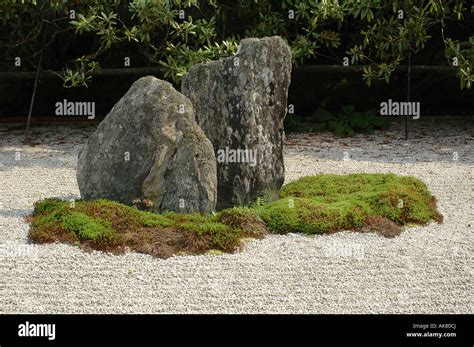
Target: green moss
<point>221,236</point>
<point>310,205</point>
<point>405,205</point>
<point>326,203</point>
<point>48,219</point>
<point>111,223</point>
<point>333,186</point>
<point>245,219</point>
<point>150,219</point>
<point>310,217</point>
<point>120,216</point>
<point>49,205</point>
<point>87,228</point>
<point>236,216</point>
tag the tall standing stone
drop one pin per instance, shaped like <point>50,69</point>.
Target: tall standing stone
<point>241,103</point>
<point>149,146</point>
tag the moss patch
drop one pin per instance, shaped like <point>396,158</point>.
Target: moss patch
<point>312,205</point>
<point>86,227</point>
<point>328,203</point>
<point>115,227</point>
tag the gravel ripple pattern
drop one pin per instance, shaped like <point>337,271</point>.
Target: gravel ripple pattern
<point>426,269</point>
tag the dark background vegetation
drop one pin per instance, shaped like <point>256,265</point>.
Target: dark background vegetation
<point>435,84</point>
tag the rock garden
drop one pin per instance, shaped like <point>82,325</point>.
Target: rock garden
<point>151,181</point>
<point>259,157</point>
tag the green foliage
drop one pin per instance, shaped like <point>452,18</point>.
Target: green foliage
<point>309,205</point>
<point>327,203</point>
<point>464,56</point>
<point>245,219</point>
<point>105,222</point>
<point>348,121</point>
<point>265,197</point>
<point>81,74</point>
<point>49,204</point>
<point>312,217</point>
<point>52,218</point>
<point>222,236</point>
<point>86,227</point>
<point>293,124</point>
<point>238,216</point>
<point>55,213</point>
<point>323,116</point>
<point>150,219</point>
<point>370,32</point>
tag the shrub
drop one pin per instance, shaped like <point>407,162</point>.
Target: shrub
<point>348,121</point>
<point>293,124</point>
<point>367,32</point>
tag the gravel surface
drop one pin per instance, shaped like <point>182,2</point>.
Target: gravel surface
<point>425,270</point>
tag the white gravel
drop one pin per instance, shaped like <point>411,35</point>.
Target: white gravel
<point>425,270</point>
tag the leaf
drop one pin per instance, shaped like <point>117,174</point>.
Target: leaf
<point>322,115</point>
<point>320,127</point>
<point>348,109</point>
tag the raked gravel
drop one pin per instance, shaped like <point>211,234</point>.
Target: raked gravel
<point>424,270</point>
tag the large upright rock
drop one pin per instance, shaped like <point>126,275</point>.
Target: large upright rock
<point>150,146</point>
<point>240,103</point>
